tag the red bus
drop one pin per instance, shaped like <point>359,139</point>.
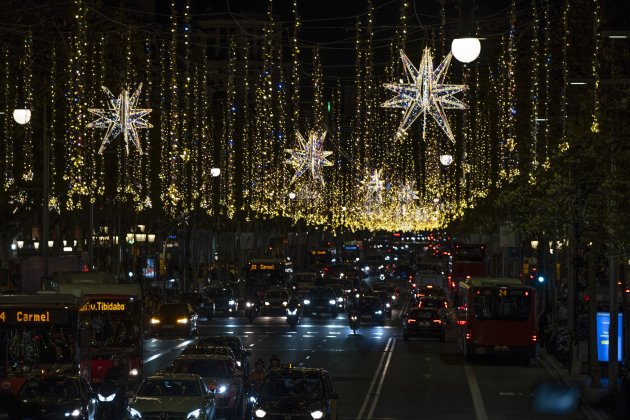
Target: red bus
<point>110,322</point>
<point>468,260</point>
<point>497,316</point>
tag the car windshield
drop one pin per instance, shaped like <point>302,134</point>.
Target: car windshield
<point>170,388</point>
<point>221,341</point>
<point>219,293</point>
<point>279,294</point>
<point>432,303</point>
<point>206,368</point>
<point>173,310</point>
<point>290,387</point>
<point>50,388</point>
<point>321,292</point>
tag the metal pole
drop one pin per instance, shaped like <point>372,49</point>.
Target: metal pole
<point>613,336</point>
<point>91,237</point>
<point>45,194</point>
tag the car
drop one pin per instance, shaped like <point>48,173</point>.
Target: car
<point>421,291</point>
<point>320,300</point>
<point>275,301</point>
<point>304,281</point>
<point>224,300</point>
<point>438,303</point>
<point>59,396</point>
<point>296,393</point>
<point>392,292</point>
<point>233,342</point>
<point>172,395</point>
<point>371,309</point>
<point>222,376</point>
<point>201,303</point>
<point>423,322</point>
<point>386,300</point>
<point>341,297</point>
<point>174,318</point>
<point>199,349</point>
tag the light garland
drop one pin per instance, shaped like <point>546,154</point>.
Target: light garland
<point>595,66</point>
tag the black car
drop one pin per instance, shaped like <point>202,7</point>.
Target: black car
<point>423,322</point>
<point>59,397</point>
<point>296,393</point>
<point>201,303</point>
<point>234,343</point>
<point>174,319</point>
<point>371,309</point>
<point>320,300</point>
<point>427,290</point>
<point>224,300</point>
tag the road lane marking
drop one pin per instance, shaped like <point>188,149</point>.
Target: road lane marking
<point>308,357</point>
<point>380,383</point>
<point>378,369</point>
<point>157,356</point>
<point>475,393</point>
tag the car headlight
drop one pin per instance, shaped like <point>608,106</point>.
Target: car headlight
<point>379,312</point>
<point>231,302</point>
<point>252,399</point>
<point>387,305</point>
<point>238,363</point>
<point>182,321</point>
<point>134,414</point>
<point>307,302</point>
<point>393,297</point>
<point>221,389</point>
<point>74,413</point>
<point>317,414</point>
<point>266,303</point>
<point>249,304</point>
<point>332,301</point>
<point>260,413</point>
<point>133,372</point>
<point>108,398</point>
<point>285,303</point>
<point>155,321</point>
<point>340,299</point>
<point>366,268</point>
<point>195,414</point>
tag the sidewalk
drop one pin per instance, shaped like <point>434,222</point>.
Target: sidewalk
<point>589,396</point>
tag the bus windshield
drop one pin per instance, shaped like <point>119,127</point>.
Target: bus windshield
<point>500,303</point>
<point>33,348</point>
<point>115,328</point>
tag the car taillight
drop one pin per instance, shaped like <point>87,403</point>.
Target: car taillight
<point>468,336</point>
<point>411,321</point>
<point>461,322</point>
<point>534,338</point>
<point>437,321</point>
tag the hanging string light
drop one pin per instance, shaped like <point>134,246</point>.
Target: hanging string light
<point>27,92</point>
<point>534,92</point>
<point>595,66</point>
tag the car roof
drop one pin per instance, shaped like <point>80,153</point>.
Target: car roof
<point>204,356</point>
<point>416,309</point>
<point>173,376</point>
<point>295,371</point>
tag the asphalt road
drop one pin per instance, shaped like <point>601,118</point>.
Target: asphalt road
<point>379,376</point>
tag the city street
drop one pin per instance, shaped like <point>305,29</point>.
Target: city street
<point>377,375</point>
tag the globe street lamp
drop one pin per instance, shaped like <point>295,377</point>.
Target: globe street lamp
<point>466,47</point>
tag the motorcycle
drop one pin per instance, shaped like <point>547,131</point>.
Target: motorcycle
<point>251,310</point>
<point>293,317</point>
<point>353,320</point>
<point>112,401</point>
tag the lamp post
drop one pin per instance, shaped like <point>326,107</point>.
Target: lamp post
<point>23,116</point>
<point>215,173</point>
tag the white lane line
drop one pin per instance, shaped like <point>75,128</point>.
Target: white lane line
<point>475,393</point>
<point>368,395</point>
<point>157,356</point>
<point>308,357</point>
<point>380,383</point>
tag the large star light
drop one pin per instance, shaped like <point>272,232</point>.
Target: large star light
<point>374,185</point>
<point>424,92</point>
<point>309,157</point>
<point>121,116</point>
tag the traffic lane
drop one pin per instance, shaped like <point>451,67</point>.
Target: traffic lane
<point>507,388</point>
<point>159,353</point>
<point>424,379</point>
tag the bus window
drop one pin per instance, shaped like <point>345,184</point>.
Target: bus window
<point>492,304</point>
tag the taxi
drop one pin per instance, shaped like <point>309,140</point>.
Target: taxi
<point>296,393</point>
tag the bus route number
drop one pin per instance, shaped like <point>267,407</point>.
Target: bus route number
<point>3,316</point>
<point>503,292</point>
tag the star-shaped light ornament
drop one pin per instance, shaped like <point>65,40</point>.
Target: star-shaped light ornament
<point>424,92</point>
<point>374,184</point>
<point>121,116</point>
<point>309,157</point>
<point>407,194</point>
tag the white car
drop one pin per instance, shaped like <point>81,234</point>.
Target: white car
<point>172,395</point>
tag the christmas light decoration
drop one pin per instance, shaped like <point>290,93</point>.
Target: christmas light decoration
<point>309,157</point>
<point>425,92</point>
<point>121,116</point>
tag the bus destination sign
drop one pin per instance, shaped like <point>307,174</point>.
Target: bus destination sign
<point>261,267</point>
<point>33,316</point>
<point>103,306</point>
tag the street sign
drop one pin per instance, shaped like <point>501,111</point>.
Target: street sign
<point>515,253</point>
<point>603,336</point>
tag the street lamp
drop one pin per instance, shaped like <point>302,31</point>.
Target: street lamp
<point>23,116</point>
<point>446,160</point>
<point>215,172</point>
<point>466,47</point>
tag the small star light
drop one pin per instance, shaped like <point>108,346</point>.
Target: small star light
<point>407,194</point>
<point>425,92</point>
<point>309,157</point>
<point>121,116</point>
<point>374,185</point>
